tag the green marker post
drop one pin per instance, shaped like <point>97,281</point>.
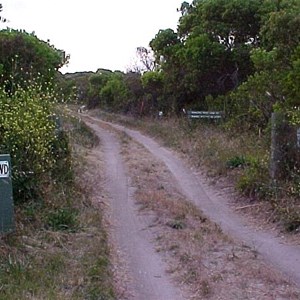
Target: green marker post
<point>6,197</point>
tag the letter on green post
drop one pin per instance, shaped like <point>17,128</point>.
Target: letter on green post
<point>6,196</point>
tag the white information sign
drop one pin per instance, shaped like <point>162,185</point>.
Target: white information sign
<point>4,169</point>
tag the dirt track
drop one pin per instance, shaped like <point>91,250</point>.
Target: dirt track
<point>146,267</point>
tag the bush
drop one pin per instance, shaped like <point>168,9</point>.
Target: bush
<point>255,181</point>
<point>29,134</point>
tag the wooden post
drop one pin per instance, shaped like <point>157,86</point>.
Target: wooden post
<point>285,148</point>
<point>277,155</point>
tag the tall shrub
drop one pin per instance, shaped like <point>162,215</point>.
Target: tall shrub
<point>28,133</point>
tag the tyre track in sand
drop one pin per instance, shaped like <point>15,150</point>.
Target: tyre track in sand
<point>147,276</point>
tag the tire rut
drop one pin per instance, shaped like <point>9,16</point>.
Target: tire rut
<point>148,278</point>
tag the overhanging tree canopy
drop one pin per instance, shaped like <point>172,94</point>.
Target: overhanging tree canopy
<point>24,56</point>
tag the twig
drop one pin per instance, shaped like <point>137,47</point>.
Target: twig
<point>248,206</point>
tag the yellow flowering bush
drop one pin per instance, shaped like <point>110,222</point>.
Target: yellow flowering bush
<point>28,133</point>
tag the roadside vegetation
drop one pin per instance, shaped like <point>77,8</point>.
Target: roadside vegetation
<point>242,160</point>
<point>59,247</point>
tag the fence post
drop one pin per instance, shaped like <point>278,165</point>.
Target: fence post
<point>6,196</point>
<point>277,153</point>
<point>285,147</point>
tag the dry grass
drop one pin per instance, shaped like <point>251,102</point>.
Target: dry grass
<point>200,256</point>
<point>241,158</point>
<point>42,260</point>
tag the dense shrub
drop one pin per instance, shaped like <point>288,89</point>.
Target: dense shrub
<point>24,56</point>
<point>30,135</point>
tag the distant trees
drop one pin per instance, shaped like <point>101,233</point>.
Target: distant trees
<point>239,56</point>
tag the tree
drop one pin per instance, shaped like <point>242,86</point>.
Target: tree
<point>23,56</point>
<point>153,83</point>
<point>136,93</point>
<point>281,28</point>
<point>210,52</point>
<point>275,82</point>
<point>229,22</point>
<point>115,94</point>
<point>96,83</point>
<point>164,44</point>
<point>146,59</point>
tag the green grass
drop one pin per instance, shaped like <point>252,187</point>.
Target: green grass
<point>20,279</point>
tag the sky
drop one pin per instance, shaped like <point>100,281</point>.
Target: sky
<point>96,33</point>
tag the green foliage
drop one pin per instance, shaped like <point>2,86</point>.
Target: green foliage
<point>251,105</point>
<point>23,57</point>
<point>233,22</point>
<point>210,53</point>
<point>236,162</point>
<point>115,93</point>
<point>67,89</point>
<point>29,135</point>
<point>291,82</point>
<point>281,27</point>
<point>254,182</point>
<point>264,60</point>
<point>275,83</point>
<point>294,116</point>
<point>62,219</point>
<point>96,83</point>
<point>244,52</point>
<point>152,79</point>
<point>163,43</point>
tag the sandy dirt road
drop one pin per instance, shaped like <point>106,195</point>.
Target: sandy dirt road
<point>147,269</point>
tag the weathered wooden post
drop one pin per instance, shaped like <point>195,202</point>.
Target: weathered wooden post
<point>277,155</point>
<point>6,196</point>
<point>285,147</point>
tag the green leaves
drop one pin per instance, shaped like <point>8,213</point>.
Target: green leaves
<point>115,92</point>
<point>24,57</point>
<point>163,43</point>
<point>28,134</point>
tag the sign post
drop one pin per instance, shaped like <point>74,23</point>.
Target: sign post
<point>6,196</point>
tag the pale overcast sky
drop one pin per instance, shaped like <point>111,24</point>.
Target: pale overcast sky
<point>97,34</point>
